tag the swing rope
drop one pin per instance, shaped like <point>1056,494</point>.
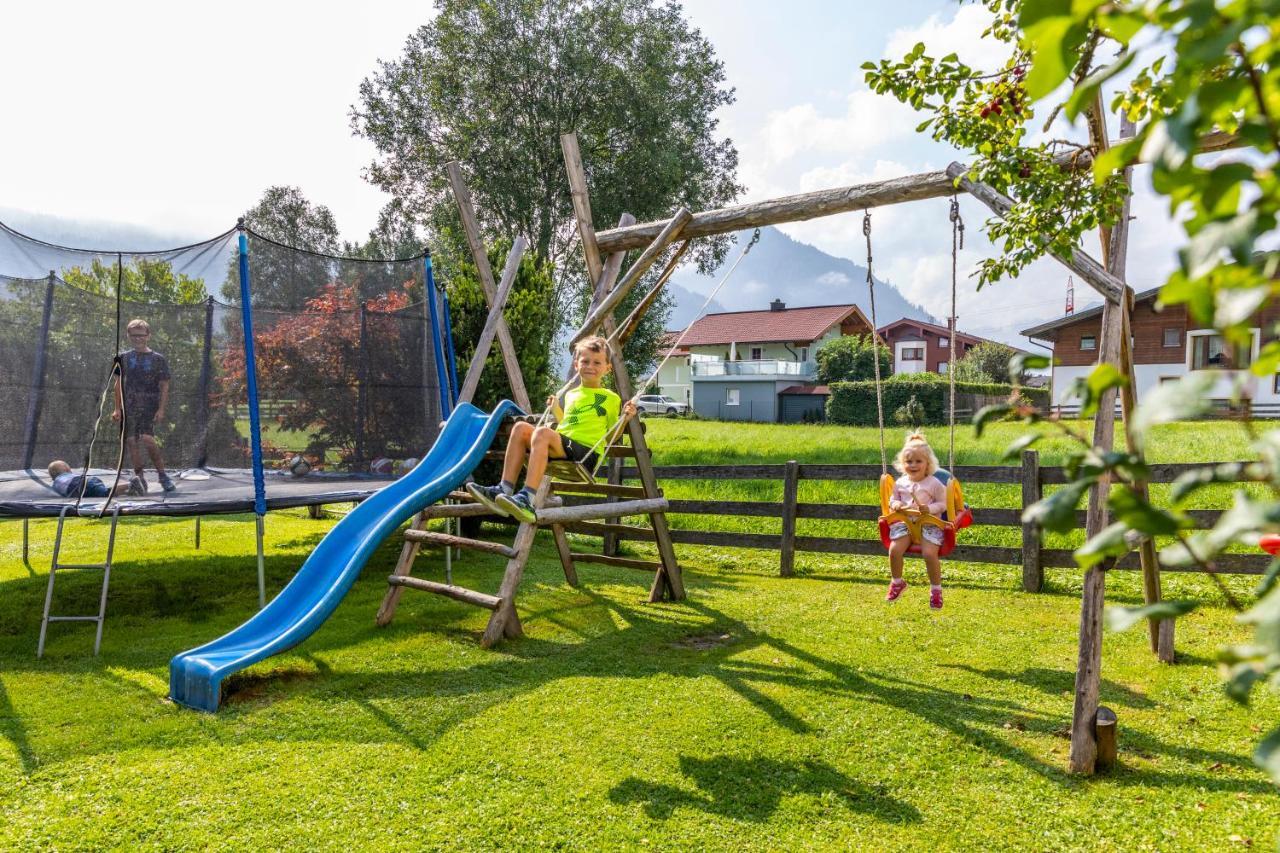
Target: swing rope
<point>957,243</point>
<point>875,343</point>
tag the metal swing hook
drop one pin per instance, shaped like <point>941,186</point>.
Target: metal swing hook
<point>755,238</point>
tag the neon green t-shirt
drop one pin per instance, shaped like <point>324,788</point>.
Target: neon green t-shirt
<point>588,414</point>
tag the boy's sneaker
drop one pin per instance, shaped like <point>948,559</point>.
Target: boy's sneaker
<point>137,486</point>
<point>935,599</point>
<point>896,588</point>
<point>166,483</point>
<point>487,495</point>
<point>519,507</point>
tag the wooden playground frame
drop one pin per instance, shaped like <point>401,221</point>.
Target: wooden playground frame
<point>603,255</point>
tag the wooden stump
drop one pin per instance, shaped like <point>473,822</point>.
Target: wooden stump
<point>1164,645</point>
<point>1105,733</point>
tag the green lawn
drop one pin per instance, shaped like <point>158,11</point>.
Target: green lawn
<point>762,713</point>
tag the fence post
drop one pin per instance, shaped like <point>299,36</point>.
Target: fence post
<point>1032,571</point>
<point>790,492</point>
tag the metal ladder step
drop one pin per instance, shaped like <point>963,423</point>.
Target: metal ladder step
<point>54,566</point>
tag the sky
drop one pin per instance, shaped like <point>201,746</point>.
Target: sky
<point>176,117</point>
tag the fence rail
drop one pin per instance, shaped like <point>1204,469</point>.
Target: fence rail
<point>1031,555</point>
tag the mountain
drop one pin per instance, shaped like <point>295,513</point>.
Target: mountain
<point>801,275</point>
<point>93,233</point>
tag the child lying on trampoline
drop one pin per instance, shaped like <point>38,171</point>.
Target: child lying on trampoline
<point>917,488</point>
<point>590,410</point>
<point>68,483</point>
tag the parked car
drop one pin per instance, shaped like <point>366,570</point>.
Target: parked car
<point>658,404</point>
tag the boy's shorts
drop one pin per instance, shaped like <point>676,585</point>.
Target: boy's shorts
<point>578,453</point>
<point>139,420</point>
<point>928,532</point>
<point>93,488</point>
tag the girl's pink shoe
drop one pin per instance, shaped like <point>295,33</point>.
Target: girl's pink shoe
<point>935,599</point>
<point>895,590</point>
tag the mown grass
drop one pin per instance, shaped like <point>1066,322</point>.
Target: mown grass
<point>762,713</point>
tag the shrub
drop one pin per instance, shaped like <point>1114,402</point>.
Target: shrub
<point>855,402</point>
<point>910,413</point>
<point>850,359</point>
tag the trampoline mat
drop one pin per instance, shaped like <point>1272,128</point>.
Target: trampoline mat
<point>199,492</point>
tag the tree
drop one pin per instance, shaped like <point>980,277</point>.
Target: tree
<point>527,313</point>
<point>145,280</point>
<point>987,362</point>
<point>1195,69</point>
<point>851,358</point>
<point>281,276</point>
<point>494,83</point>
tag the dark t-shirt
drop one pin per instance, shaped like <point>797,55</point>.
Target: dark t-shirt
<point>143,373</point>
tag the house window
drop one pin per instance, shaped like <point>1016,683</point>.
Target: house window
<point>1173,337</point>
<point>944,343</point>
<point>757,353</point>
<point>1164,379</point>
<point>1209,352</point>
<point>913,354</point>
<point>1088,342</point>
<point>804,353</point>
<point>731,397</point>
<point>942,367</point>
<point>1275,384</point>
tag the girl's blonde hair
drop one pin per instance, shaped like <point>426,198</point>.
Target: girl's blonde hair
<point>916,442</point>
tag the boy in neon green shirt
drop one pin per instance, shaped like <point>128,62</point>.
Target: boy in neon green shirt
<point>589,413</point>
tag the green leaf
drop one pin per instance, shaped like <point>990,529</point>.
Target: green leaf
<point>1057,512</point>
<point>1267,755</point>
<point>1174,401</point>
<point>1268,579</point>
<point>1204,251</point>
<point>1110,542</point>
<point>1084,93</point>
<point>1054,41</point>
<point>1021,443</point>
<point>1234,305</point>
<point>1033,12</point>
<point>986,413</point>
<point>1024,361</point>
<point>1131,510</point>
<point>1240,680</point>
<point>1123,618</point>
<point>1121,26</point>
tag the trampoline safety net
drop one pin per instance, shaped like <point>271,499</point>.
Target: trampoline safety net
<point>346,368</point>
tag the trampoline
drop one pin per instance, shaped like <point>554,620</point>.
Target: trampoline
<point>268,353</point>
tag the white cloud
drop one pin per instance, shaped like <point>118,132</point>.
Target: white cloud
<point>962,35</point>
<point>834,279</point>
<point>869,121</point>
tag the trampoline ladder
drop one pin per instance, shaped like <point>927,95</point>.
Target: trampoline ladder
<point>105,566</point>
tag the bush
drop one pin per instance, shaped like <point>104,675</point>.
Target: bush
<point>910,413</point>
<point>855,402</point>
<point>851,359</point>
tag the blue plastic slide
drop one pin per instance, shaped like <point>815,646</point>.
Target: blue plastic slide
<point>195,677</point>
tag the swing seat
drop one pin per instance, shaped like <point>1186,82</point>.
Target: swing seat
<point>569,471</point>
<point>956,517</point>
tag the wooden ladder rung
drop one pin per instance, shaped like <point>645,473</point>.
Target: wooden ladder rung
<point>470,510</point>
<point>624,451</point>
<point>458,593</point>
<point>593,528</point>
<point>450,541</point>
<point>599,489</point>
<point>623,562</point>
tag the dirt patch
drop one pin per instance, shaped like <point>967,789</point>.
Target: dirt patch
<point>704,642</point>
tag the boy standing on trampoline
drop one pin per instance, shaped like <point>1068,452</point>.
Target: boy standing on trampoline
<point>142,392</point>
<point>589,412</point>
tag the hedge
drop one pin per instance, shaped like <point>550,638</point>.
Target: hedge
<point>855,402</point>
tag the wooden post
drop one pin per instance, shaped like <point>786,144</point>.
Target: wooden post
<point>614,478</point>
<point>604,310</point>
<point>566,554</point>
<point>1105,733</point>
<point>408,552</point>
<point>1164,646</point>
<point>577,174</point>
<point>811,205</point>
<point>505,622</point>
<point>471,227</point>
<point>790,494</point>
<point>1032,571</point>
<point>492,323</point>
<point>668,582</point>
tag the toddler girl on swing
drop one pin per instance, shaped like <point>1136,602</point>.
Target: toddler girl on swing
<point>589,411</point>
<point>917,488</point>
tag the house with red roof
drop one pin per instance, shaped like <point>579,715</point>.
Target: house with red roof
<point>746,365</point>
<point>920,347</point>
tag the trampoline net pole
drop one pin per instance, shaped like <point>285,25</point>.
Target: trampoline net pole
<point>262,574</point>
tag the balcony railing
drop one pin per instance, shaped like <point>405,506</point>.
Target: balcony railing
<point>765,367</point>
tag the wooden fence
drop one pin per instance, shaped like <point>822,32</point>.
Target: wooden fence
<point>1032,556</point>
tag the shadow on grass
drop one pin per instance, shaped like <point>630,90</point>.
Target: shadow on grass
<point>611,639</point>
<point>1055,682</point>
<point>12,729</point>
<point>753,788</point>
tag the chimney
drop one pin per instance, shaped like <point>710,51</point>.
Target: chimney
<point>777,305</point>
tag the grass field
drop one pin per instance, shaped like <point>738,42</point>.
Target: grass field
<point>762,713</point>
